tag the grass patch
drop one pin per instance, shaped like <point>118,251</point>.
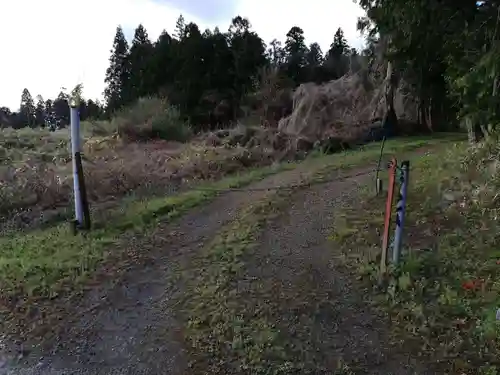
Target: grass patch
<point>444,297</point>
<point>223,337</point>
<point>43,263</point>
<point>149,211</point>
<point>368,155</point>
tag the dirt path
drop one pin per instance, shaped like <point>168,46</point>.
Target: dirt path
<point>323,316</point>
<point>129,328</point>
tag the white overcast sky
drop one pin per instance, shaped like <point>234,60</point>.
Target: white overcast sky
<point>51,44</point>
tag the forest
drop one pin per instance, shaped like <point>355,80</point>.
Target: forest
<point>214,78</point>
<point>208,75</point>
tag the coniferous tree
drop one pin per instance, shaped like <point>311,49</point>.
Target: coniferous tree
<point>314,63</point>
<point>339,45</point>
<point>117,74</point>
<point>276,54</point>
<point>189,80</point>
<point>60,108</point>
<point>296,51</point>
<point>248,55</point>
<point>27,109</point>
<point>48,105</point>
<point>163,63</point>
<point>180,28</point>
<point>94,110</point>
<point>140,82</point>
<point>40,111</point>
<point>337,58</point>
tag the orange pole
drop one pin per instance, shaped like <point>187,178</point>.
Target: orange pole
<point>388,211</point>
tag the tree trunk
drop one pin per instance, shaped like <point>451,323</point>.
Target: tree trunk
<point>428,115</point>
<point>390,117</point>
<point>474,132</point>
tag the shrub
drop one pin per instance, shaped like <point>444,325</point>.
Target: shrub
<point>151,118</point>
<point>99,128</point>
<point>169,126</point>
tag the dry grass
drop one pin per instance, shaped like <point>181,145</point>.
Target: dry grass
<point>443,298</point>
<point>343,108</point>
<point>142,149</point>
<point>35,169</point>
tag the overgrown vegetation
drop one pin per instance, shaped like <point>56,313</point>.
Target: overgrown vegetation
<point>35,168</point>
<point>452,66</point>
<point>45,264</point>
<point>443,299</point>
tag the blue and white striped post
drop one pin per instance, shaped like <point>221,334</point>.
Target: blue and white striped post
<point>75,151</point>
<point>400,211</point>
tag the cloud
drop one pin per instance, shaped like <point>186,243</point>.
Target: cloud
<point>51,44</point>
<point>208,10</point>
<point>318,18</point>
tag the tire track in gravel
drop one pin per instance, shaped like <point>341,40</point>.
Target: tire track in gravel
<point>323,318</point>
<point>129,327</point>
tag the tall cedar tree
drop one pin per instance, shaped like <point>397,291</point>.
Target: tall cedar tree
<point>40,111</point>
<point>314,63</point>
<point>248,51</point>
<point>337,57</point>
<point>180,28</point>
<point>61,108</point>
<point>117,74</point>
<point>27,110</point>
<point>276,54</point>
<point>140,82</point>
<point>163,64</point>
<point>296,50</point>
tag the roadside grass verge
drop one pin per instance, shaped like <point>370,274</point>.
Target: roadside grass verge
<point>369,153</point>
<point>443,298</point>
